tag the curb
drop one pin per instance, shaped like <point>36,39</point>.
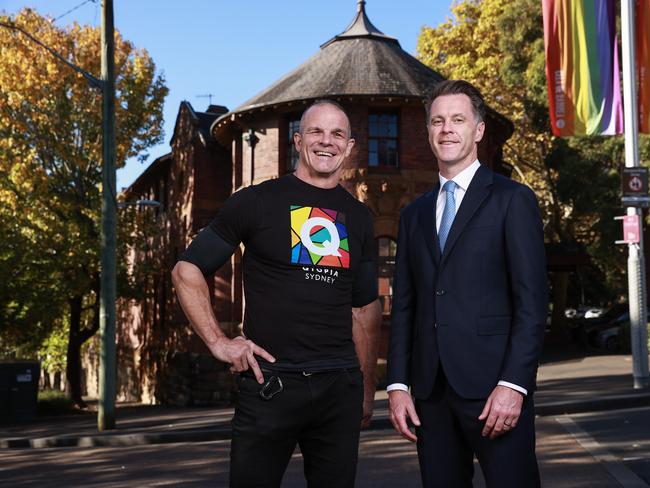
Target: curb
<point>631,400</point>
<point>118,440</point>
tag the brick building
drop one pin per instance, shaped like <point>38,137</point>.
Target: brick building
<point>216,152</point>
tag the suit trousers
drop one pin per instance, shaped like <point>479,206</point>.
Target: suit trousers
<point>450,436</point>
<point>320,412</point>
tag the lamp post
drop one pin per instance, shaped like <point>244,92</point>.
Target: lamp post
<point>107,358</point>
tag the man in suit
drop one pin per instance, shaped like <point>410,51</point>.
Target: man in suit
<point>469,308</point>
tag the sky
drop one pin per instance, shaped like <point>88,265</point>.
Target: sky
<point>232,50</point>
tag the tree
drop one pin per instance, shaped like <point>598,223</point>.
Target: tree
<point>50,174</point>
<point>499,46</point>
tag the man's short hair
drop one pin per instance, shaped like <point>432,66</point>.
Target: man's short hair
<point>326,101</point>
<point>458,87</point>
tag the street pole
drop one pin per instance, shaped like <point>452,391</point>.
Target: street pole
<point>107,358</point>
<point>635,261</point>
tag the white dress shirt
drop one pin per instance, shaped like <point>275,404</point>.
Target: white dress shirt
<point>462,180</point>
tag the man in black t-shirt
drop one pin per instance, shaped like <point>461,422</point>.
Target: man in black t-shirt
<point>311,325</point>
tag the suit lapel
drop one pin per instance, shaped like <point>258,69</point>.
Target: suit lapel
<point>427,215</point>
<point>477,192</point>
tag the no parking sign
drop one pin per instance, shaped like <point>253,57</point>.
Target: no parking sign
<point>635,187</point>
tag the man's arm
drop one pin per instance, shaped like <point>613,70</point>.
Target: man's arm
<point>527,269</point>
<point>526,265</point>
<point>194,297</point>
<point>401,406</point>
<point>366,323</point>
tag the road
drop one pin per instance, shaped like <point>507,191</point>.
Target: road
<point>604,449</point>
<point>619,435</point>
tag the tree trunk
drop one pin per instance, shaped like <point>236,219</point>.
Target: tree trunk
<point>73,357</point>
<point>76,339</point>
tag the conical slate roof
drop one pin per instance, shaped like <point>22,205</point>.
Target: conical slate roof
<point>360,61</point>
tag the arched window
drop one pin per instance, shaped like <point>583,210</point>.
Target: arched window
<point>387,247</point>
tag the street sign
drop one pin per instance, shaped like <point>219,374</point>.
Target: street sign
<point>635,187</point>
<point>635,181</point>
<point>631,234</point>
<point>631,229</point>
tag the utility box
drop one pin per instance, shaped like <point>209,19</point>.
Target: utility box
<point>18,390</point>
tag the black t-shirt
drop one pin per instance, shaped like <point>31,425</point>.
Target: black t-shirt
<point>307,255</point>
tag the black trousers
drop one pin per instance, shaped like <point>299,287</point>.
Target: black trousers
<point>450,436</point>
<point>320,412</point>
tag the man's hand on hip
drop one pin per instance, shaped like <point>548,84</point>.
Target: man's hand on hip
<point>501,411</point>
<point>401,409</point>
<point>240,354</point>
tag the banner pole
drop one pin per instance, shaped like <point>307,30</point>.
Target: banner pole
<point>636,261</point>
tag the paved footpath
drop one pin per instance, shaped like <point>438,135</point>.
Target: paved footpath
<point>164,446</point>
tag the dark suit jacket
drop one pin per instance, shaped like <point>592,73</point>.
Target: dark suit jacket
<point>480,308</point>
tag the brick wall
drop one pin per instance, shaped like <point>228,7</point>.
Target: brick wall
<point>264,153</point>
<point>212,185</point>
<point>157,349</point>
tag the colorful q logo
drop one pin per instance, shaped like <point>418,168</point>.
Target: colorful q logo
<point>319,236</point>
<point>326,248</point>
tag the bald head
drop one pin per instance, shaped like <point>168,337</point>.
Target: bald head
<point>321,102</point>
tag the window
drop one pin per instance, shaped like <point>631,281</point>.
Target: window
<point>292,155</point>
<point>383,140</point>
<point>386,261</point>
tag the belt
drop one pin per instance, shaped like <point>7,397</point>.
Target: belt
<point>303,372</point>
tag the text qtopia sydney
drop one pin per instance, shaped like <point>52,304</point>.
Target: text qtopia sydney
<point>320,274</point>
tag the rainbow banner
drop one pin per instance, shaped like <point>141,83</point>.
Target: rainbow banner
<point>582,70</point>
<point>643,62</point>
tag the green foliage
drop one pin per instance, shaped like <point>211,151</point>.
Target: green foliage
<point>52,352</point>
<point>28,283</point>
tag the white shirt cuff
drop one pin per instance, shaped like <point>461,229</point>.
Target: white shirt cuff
<point>397,386</point>
<point>403,387</point>
<point>518,388</point>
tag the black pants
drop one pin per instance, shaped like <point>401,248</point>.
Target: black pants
<point>321,413</point>
<point>450,435</point>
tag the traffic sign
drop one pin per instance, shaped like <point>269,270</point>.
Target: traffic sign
<point>635,187</point>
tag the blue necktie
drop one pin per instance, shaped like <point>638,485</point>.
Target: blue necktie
<point>448,213</point>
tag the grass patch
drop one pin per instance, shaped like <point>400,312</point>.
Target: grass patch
<point>53,402</point>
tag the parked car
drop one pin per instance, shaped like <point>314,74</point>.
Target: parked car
<point>616,338</point>
<point>571,313</point>
<point>611,338</point>
<point>574,314</point>
<point>586,330</point>
<point>594,313</point>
